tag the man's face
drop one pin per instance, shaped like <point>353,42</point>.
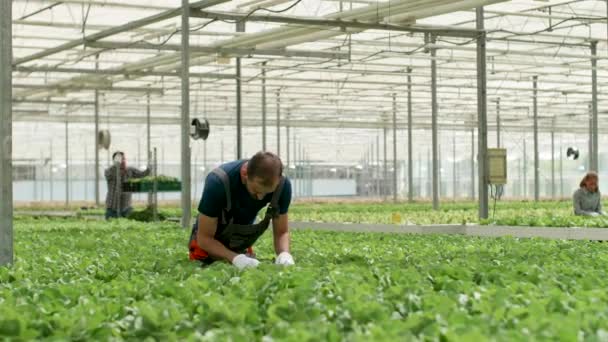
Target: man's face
<point>257,189</point>
<point>123,160</point>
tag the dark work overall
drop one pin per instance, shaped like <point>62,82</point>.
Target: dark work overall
<point>236,237</point>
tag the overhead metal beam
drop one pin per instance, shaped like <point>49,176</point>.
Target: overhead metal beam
<point>337,23</point>
<point>89,87</point>
<point>126,73</point>
<point>116,30</point>
<point>6,135</point>
<point>228,52</point>
<point>54,102</point>
<point>164,119</point>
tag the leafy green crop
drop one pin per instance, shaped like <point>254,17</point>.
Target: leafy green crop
<point>145,215</point>
<point>81,280</point>
<point>542,214</point>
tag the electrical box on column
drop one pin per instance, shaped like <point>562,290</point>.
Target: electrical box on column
<point>497,166</point>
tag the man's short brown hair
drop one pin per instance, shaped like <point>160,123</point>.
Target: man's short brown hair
<point>266,166</point>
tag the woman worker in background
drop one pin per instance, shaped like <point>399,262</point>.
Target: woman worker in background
<point>587,199</point>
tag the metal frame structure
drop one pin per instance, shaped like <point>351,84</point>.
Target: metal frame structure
<point>6,116</point>
<point>336,68</point>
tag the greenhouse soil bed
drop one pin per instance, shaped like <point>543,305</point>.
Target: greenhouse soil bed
<point>124,280</point>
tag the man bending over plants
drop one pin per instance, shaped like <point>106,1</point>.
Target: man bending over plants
<point>234,193</point>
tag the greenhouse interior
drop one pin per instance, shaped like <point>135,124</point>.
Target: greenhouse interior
<point>431,170</point>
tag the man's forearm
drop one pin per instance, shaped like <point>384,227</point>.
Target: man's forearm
<point>216,249</point>
<point>281,243</point>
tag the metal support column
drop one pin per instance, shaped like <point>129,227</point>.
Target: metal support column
<point>371,171</point>
<point>378,192</point>
<point>521,177</point>
<point>454,165</point>
<point>279,123</point>
<point>429,172</point>
<point>240,27</point>
<point>536,156</point>
<point>42,185</point>
<point>186,199</point>
<point>196,172</point>
<point>552,165</point>
<point>434,110</point>
<point>67,163</point>
<point>6,134</point>
<point>498,123</point>
<point>525,170</point>
<point>590,157</point>
<point>472,164</point>
<point>97,196</point>
<point>561,169</point>
<point>51,178</point>
<point>264,106</point>
<point>287,143</point>
<point>294,155</point>
<point>302,171</point>
<point>482,117</point>
<point>410,165</point>
<point>395,190</point>
<point>86,174</point>
<point>148,146</point>
<point>385,168</point>
<point>204,160</point>
<point>148,130</point>
<point>420,182</point>
<point>595,138</point>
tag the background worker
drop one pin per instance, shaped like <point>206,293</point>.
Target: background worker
<point>118,202</point>
<point>588,199</point>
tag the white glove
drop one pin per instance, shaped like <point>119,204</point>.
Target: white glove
<point>284,259</point>
<point>242,261</point>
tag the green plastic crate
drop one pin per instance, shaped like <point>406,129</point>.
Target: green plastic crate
<point>148,186</point>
